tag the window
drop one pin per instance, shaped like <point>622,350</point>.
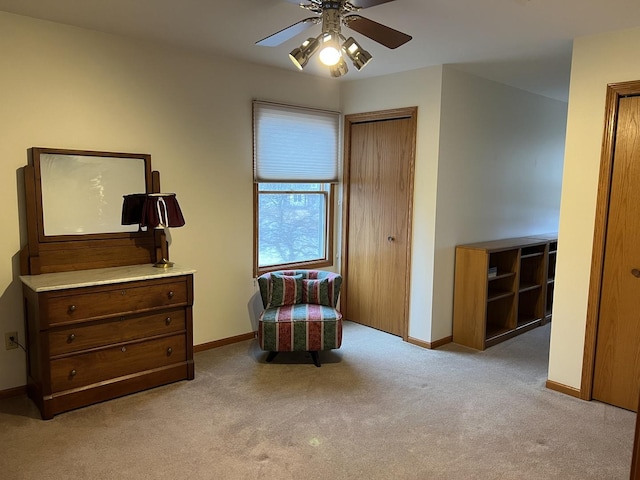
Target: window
<point>292,223</point>
<point>295,168</point>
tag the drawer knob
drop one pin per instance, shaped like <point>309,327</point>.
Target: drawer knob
<point>73,373</point>
<point>123,349</point>
<point>169,351</point>
<point>167,320</point>
<point>123,292</point>
<point>171,294</point>
<point>72,308</point>
<point>71,338</point>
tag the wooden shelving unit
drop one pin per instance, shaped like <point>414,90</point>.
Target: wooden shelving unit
<point>490,308</point>
<point>551,275</point>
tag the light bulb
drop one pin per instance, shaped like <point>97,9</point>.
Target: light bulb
<point>330,53</point>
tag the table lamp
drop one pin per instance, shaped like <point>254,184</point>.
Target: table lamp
<point>153,210</point>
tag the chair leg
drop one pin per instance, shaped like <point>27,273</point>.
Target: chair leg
<point>316,358</point>
<point>271,356</point>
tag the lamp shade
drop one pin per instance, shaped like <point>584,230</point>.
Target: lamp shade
<point>132,207</point>
<point>152,210</point>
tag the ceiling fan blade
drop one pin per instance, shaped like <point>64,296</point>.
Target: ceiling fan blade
<point>366,3</point>
<point>382,34</point>
<point>286,33</point>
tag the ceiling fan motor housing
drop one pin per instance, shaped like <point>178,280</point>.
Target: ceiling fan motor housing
<point>335,4</point>
<point>331,16</point>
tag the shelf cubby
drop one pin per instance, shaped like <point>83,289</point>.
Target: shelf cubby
<point>500,315</point>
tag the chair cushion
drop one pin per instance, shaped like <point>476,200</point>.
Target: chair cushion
<point>285,290</point>
<point>302,327</point>
<point>316,292</point>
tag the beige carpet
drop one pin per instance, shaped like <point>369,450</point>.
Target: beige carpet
<point>378,408</point>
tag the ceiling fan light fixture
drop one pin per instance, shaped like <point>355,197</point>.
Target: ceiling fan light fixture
<point>332,15</point>
<point>339,69</point>
<point>300,56</point>
<point>359,56</point>
<point>331,53</point>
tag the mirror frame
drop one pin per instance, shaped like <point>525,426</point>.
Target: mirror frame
<point>58,253</point>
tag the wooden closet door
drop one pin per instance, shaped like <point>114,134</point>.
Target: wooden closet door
<point>379,213</point>
<point>617,359</point>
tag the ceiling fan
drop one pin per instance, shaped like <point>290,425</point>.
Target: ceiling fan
<point>332,44</point>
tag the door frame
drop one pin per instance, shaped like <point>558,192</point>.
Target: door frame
<point>615,91</point>
<point>410,113</point>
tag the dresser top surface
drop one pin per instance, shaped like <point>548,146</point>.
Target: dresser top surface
<point>100,276</point>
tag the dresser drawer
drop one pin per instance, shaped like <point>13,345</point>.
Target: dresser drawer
<point>100,333</point>
<point>126,298</point>
<point>100,365</point>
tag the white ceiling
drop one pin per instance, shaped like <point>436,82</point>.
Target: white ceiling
<point>524,43</point>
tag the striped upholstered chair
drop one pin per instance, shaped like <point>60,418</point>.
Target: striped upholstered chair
<point>300,313</point>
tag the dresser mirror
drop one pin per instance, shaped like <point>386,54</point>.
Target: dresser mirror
<point>74,210</point>
<point>81,192</point>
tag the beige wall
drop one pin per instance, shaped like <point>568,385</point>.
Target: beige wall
<point>499,174</point>
<point>488,166</point>
<point>597,61</point>
<point>66,87</point>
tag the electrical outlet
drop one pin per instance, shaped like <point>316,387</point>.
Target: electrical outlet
<point>8,344</point>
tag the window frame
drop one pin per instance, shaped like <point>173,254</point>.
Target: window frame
<point>327,261</point>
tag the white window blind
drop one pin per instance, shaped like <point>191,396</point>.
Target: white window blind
<point>294,144</point>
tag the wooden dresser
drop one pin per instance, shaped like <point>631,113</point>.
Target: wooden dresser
<point>102,333</point>
<point>100,320</point>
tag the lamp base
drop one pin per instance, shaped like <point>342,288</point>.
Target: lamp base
<point>164,263</point>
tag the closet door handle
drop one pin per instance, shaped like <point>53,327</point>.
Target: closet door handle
<point>635,272</point>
